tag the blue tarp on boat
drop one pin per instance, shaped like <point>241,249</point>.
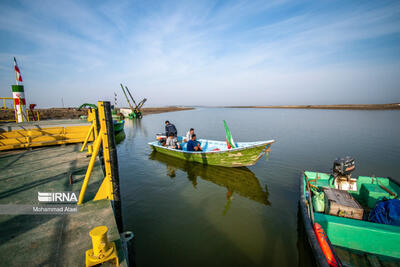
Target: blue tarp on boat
<point>386,212</point>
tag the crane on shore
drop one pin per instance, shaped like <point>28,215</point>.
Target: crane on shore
<point>136,112</point>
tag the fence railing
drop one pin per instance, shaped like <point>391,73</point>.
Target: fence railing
<point>8,104</point>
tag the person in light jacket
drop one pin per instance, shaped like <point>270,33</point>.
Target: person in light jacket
<point>189,135</point>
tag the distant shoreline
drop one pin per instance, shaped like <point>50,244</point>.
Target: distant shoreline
<point>147,111</point>
<point>393,106</point>
<point>74,113</point>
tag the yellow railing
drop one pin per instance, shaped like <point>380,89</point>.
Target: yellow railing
<point>4,107</point>
<point>31,111</point>
<point>25,116</point>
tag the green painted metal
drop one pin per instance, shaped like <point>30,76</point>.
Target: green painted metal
<point>87,105</point>
<point>358,235</point>
<point>135,114</point>
<point>371,194</point>
<point>229,158</point>
<point>17,88</point>
<point>118,125</point>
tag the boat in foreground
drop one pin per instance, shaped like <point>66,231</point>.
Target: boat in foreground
<point>346,221</point>
<point>217,152</point>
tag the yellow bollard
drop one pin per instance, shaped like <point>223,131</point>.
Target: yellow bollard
<point>102,251</point>
<point>99,240</point>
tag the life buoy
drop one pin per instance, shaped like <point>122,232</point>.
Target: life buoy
<point>326,246</point>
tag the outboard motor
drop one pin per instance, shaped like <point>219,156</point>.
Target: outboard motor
<point>342,169</point>
<point>161,138</point>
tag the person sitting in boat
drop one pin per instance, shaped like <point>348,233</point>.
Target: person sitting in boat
<point>189,135</point>
<point>170,128</point>
<point>172,142</point>
<point>193,145</point>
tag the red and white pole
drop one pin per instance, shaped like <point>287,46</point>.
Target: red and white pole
<point>18,94</point>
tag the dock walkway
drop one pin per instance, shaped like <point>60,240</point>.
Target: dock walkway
<point>50,240</point>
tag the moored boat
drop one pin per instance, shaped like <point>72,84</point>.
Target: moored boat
<point>217,152</point>
<point>118,125</point>
<point>344,218</point>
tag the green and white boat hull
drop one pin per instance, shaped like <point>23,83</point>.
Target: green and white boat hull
<point>246,154</point>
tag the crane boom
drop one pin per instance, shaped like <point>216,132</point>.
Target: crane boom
<point>126,87</point>
<point>127,99</point>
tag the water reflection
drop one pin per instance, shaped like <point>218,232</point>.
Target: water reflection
<point>137,125</point>
<point>119,137</point>
<point>236,180</point>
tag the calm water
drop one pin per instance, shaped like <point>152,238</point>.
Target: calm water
<point>192,215</point>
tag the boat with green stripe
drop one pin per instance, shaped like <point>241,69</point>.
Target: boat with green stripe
<point>355,242</point>
<point>217,152</point>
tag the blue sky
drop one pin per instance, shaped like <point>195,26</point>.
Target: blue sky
<point>203,52</point>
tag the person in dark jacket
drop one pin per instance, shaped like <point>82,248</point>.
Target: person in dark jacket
<point>170,128</point>
<point>193,145</point>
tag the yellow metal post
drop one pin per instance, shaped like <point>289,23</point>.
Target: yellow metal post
<point>37,113</point>
<point>96,148</point>
<point>15,112</point>
<point>91,118</point>
<point>90,150</point>
<point>87,137</point>
<point>105,191</point>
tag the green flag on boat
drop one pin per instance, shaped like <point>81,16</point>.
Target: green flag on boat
<point>229,139</point>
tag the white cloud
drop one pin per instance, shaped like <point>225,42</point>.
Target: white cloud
<point>198,53</point>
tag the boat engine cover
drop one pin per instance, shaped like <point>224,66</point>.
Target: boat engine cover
<point>344,166</point>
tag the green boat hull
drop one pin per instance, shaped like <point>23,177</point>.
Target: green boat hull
<point>364,238</point>
<point>119,126</point>
<point>240,157</point>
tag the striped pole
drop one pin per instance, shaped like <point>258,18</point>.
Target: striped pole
<point>18,93</point>
<point>19,101</point>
